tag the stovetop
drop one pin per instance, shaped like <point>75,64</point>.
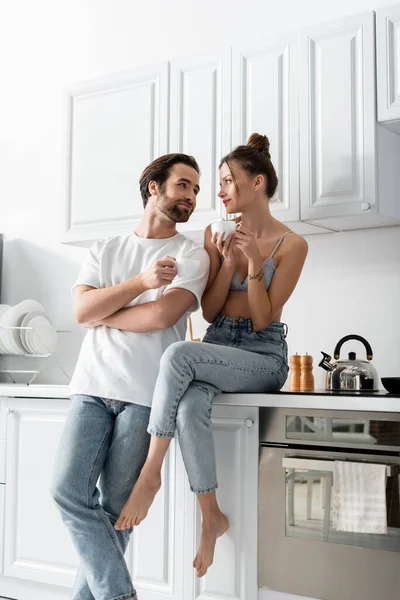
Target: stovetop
<point>364,394</point>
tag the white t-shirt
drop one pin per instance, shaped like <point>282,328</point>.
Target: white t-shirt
<point>124,365</point>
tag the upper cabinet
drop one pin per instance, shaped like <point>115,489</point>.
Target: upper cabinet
<point>348,173</point>
<point>200,125</point>
<point>265,100</point>
<point>116,125</point>
<point>388,66</point>
<point>312,92</point>
<point>337,115</point>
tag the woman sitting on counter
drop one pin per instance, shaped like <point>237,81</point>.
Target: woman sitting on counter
<point>252,275</point>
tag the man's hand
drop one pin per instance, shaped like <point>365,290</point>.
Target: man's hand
<point>161,273</point>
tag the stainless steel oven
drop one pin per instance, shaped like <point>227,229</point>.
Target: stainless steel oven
<point>300,551</point>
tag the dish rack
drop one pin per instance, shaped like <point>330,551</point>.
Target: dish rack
<point>29,364</point>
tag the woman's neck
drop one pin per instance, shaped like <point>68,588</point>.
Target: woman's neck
<point>259,220</point>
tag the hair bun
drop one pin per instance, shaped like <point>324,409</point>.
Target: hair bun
<point>260,143</point>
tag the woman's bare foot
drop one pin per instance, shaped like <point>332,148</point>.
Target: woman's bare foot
<point>210,530</point>
<point>139,502</point>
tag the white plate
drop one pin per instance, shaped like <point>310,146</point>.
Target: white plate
<point>29,335</point>
<point>26,334</point>
<point>3,309</point>
<point>12,318</point>
<point>43,337</point>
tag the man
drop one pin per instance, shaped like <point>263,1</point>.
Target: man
<point>134,304</point>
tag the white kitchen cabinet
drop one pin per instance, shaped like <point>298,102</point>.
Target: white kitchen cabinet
<point>312,92</point>
<point>388,66</point>
<point>234,572</point>
<point>200,125</point>
<point>37,545</point>
<point>155,555</point>
<point>265,100</point>
<point>115,126</point>
<point>342,184</point>
<point>2,476</point>
<point>39,559</point>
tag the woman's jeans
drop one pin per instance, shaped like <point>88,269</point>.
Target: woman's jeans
<point>104,439</point>
<point>231,358</point>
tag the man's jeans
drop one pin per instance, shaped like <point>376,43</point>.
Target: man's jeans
<point>107,439</point>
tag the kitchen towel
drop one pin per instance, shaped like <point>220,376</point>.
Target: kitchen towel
<point>359,497</point>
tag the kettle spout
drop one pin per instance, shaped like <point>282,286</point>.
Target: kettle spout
<point>325,362</point>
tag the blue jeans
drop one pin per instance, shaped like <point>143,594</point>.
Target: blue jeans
<point>231,358</point>
<point>104,439</point>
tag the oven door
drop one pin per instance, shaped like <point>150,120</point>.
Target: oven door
<point>299,550</point>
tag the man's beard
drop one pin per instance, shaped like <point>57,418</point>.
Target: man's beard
<point>170,208</point>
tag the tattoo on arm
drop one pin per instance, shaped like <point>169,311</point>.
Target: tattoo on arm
<point>259,275</point>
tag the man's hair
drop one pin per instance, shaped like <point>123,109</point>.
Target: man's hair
<point>159,171</point>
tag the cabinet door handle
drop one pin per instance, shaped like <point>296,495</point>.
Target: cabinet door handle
<point>9,410</point>
<point>249,423</point>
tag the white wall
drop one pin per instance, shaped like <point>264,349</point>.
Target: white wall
<point>351,281</point>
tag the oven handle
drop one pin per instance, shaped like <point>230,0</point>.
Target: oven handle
<point>316,465</point>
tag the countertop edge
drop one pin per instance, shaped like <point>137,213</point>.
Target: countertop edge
<point>279,400</point>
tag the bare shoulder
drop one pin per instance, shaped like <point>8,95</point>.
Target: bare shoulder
<point>297,242</point>
<point>294,246</point>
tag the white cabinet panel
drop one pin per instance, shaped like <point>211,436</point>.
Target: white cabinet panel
<point>234,571</point>
<point>2,507</point>
<point>116,125</point>
<point>155,556</point>
<point>36,544</point>
<point>337,119</point>
<point>200,125</point>
<point>388,65</point>
<point>265,101</point>
<point>2,461</point>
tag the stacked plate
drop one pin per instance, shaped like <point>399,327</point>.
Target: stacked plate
<point>26,329</point>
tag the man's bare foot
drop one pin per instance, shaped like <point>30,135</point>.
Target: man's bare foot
<point>139,502</point>
<point>210,531</point>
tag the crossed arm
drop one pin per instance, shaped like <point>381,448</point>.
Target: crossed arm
<point>105,306</point>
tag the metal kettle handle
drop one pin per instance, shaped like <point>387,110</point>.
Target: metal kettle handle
<point>353,337</point>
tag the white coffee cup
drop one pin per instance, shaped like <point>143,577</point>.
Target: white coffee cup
<point>187,267</point>
<point>223,226</point>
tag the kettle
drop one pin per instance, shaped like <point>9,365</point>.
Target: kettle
<point>353,374</point>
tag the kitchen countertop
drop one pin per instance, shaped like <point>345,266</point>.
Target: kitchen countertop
<point>369,401</point>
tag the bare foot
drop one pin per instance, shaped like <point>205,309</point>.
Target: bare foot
<point>139,502</point>
<point>210,531</point>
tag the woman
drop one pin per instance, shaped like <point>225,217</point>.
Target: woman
<point>252,275</point>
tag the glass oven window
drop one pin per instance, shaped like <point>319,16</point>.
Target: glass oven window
<point>309,506</point>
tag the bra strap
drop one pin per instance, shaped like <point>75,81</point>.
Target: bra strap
<point>279,242</point>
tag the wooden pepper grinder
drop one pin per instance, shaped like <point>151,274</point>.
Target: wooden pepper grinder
<point>294,382</point>
<point>306,373</point>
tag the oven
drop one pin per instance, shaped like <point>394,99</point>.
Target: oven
<point>300,551</point>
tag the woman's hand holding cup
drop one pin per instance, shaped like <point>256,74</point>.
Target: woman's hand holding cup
<point>225,248</point>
